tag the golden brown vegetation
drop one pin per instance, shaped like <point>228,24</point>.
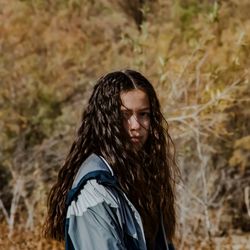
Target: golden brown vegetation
<point>196,53</point>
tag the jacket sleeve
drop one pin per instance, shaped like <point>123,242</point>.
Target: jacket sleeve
<point>94,220</point>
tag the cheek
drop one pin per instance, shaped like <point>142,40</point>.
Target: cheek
<point>146,132</point>
<point>146,125</point>
<point>125,125</point>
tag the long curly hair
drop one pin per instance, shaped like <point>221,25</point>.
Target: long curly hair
<point>147,176</point>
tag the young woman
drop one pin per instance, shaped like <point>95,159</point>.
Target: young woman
<point>116,187</point>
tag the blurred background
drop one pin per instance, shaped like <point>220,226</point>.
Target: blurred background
<point>196,54</point>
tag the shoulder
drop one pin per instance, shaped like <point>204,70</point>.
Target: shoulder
<point>90,196</point>
<point>92,164</point>
<point>93,168</point>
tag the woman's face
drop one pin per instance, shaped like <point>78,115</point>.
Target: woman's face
<point>135,111</point>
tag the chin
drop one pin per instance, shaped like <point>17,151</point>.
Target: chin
<point>139,147</point>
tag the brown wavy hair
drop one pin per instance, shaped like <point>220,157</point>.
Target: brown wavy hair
<point>147,176</point>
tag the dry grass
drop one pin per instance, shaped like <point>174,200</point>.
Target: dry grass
<point>23,239</point>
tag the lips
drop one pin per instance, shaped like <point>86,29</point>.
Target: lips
<point>135,139</point>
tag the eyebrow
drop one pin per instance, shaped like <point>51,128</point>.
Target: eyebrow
<point>127,109</point>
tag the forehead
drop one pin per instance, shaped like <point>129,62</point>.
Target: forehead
<point>135,99</point>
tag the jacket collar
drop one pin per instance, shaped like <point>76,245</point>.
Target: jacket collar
<point>91,164</point>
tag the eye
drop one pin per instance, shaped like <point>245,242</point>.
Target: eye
<point>125,114</point>
<point>144,114</point>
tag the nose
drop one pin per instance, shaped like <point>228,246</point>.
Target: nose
<point>134,124</point>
